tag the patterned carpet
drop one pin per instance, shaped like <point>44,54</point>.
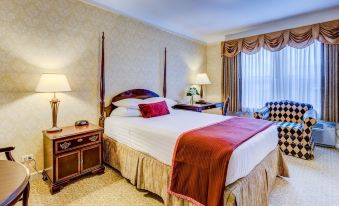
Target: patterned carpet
<point>311,183</point>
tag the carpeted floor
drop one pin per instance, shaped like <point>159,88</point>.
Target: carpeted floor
<point>313,182</point>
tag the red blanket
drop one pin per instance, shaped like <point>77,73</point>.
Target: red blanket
<point>201,157</point>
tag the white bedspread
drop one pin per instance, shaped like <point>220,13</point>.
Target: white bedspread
<point>157,137</point>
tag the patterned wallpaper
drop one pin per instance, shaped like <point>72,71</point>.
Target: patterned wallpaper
<point>214,63</point>
<point>63,36</point>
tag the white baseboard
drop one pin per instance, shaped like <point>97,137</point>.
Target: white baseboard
<point>34,175</point>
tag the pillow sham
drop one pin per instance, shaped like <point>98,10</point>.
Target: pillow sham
<point>170,103</point>
<point>130,103</point>
<point>154,109</point>
<point>126,112</point>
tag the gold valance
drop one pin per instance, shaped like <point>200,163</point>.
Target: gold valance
<point>327,33</point>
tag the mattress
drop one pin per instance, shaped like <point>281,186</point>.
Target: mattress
<point>157,137</point>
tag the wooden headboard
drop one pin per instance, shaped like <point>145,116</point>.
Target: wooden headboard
<point>134,93</point>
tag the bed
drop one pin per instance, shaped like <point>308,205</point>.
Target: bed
<point>156,137</point>
<point>142,149</point>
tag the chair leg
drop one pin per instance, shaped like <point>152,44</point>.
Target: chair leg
<point>25,195</point>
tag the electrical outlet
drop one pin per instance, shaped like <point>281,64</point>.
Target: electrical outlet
<point>27,158</point>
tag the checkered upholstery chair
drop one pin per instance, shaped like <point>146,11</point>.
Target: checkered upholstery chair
<point>294,121</point>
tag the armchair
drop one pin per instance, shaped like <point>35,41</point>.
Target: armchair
<point>225,107</point>
<point>262,113</point>
<point>7,151</point>
<point>15,192</point>
<point>294,122</point>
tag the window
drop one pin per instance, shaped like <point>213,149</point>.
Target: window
<point>288,74</point>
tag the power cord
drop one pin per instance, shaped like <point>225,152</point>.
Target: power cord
<point>34,165</point>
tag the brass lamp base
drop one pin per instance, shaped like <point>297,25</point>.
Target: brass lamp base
<point>54,129</point>
<point>54,106</point>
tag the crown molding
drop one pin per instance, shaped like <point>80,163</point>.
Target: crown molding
<point>286,23</point>
<point>114,11</point>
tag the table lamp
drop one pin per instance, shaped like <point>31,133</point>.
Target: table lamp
<point>52,83</point>
<point>202,79</point>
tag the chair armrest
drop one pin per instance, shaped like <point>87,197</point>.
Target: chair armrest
<point>7,151</point>
<point>262,113</point>
<point>309,118</point>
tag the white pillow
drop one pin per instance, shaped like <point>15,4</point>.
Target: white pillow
<point>170,103</point>
<point>130,103</point>
<point>125,112</point>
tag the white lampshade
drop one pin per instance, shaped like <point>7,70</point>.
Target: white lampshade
<point>53,83</point>
<point>202,79</point>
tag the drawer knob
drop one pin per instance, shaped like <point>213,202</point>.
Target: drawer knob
<point>65,145</point>
<point>93,138</point>
<point>80,140</point>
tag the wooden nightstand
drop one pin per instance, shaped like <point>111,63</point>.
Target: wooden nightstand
<point>199,107</point>
<point>71,153</point>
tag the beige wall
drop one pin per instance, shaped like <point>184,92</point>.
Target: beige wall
<point>214,64</point>
<point>63,36</point>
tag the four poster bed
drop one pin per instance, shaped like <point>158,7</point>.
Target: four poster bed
<point>142,149</point>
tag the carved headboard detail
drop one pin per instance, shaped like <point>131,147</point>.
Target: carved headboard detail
<point>133,93</point>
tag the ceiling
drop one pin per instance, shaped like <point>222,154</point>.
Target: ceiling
<point>210,20</point>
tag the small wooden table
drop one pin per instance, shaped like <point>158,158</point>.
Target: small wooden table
<point>199,107</point>
<point>14,183</point>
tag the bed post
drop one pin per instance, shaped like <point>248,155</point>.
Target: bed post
<point>102,83</point>
<point>164,82</point>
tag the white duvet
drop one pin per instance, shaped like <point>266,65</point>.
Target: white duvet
<point>157,137</point>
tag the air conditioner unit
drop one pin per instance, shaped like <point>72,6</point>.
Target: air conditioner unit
<point>323,134</point>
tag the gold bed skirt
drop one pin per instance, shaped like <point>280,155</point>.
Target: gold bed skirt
<point>150,174</point>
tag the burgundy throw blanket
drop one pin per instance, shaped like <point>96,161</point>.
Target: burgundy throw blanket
<point>201,157</point>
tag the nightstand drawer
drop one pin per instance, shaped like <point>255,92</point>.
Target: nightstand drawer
<point>76,142</point>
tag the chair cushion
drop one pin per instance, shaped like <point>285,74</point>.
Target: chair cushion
<point>292,142</point>
<point>290,128</point>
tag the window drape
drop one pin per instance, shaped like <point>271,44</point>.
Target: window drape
<point>230,82</point>
<point>327,33</point>
<point>330,83</point>
<point>288,74</point>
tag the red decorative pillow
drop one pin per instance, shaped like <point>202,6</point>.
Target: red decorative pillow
<point>153,109</point>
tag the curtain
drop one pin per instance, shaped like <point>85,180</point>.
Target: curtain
<point>230,82</point>
<point>330,110</point>
<point>327,33</point>
<point>288,74</point>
